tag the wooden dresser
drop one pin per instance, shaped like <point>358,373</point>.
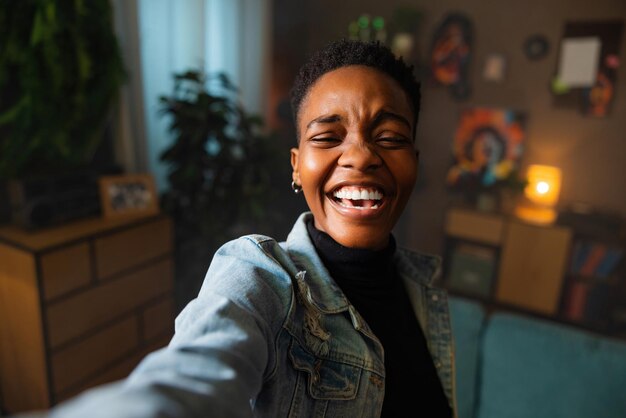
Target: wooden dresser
<point>80,305</point>
<point>506,261</point>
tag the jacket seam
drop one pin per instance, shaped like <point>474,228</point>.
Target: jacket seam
<point>259,244</point>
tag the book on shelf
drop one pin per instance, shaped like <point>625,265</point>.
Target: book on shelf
<point>588,302</point>
<point>595,259</point>
<point>576,300</point>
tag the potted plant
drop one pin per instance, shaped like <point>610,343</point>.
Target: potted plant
<point>60,72</point>
<point>221,169</point>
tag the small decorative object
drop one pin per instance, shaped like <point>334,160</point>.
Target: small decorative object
<point>536,47</point>
<point>495,66</point>
<point>404,24</point>
<point>402,44</point>
<point>487,149</point>
<point>542,193</point>
<point>367,28</point>
<point>450,54</point>
<point>128,195</point>
<point>586,75</point>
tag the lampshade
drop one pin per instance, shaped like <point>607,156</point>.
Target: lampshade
<point>544,184</point>
<point>542,191</point>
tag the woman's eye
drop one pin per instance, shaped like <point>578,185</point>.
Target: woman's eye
<point>393,141</point>
<point>325,140</point>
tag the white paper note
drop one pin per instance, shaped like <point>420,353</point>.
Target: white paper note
<point>578,63</point>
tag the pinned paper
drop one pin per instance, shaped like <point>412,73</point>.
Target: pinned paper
<point>495,66</point>
<point>579,60</point>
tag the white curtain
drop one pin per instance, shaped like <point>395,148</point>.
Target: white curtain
<point>172,36</point>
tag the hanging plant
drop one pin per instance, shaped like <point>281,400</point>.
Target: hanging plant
<point>60,72</point>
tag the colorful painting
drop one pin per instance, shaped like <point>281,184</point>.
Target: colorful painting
<point>487,148</point>
<point>450,54</point>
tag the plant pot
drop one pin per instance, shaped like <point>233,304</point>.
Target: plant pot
<point>39,202</point>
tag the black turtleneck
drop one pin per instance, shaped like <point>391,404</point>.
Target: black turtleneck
<point>369,280</point>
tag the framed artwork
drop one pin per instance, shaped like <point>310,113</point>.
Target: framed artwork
<point>450,54</point>
<point>128,195</point>
<point>495,68</point>
<point>487,148</point>
<point>588,62</point>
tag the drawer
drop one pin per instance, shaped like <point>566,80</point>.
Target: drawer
<point>81,360</point>
<point>116,371</point>
<point>158,320</point>
<point>123,250</point>
<point>78,314</point>
<point>475,226</point>
<point>65,270</point>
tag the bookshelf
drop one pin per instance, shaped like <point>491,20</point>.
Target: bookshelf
<point>595,283</point>
<point>543,271</point>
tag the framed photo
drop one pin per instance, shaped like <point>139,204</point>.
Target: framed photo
<point>128,195</point>
<point>472,269</point>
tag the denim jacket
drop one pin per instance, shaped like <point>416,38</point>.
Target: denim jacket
<point>271,335</point>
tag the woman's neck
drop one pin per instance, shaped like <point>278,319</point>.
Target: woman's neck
<point>356,265</point>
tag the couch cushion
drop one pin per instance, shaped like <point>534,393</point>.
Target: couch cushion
<point>532,368</point>
<point>467,320</point>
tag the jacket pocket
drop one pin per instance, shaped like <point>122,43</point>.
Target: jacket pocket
<point>327,379</point>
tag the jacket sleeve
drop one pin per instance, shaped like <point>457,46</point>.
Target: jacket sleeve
<point>222,350</point>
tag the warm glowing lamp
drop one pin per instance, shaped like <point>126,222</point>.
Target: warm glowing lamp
<point>544,185</point>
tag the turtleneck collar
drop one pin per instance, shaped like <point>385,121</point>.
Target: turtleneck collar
<point>354,266</point>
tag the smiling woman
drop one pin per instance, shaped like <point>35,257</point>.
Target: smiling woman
<point>356,141</point>
<point>336,321</point>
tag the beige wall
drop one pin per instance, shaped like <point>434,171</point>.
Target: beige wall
<point>590,152</point>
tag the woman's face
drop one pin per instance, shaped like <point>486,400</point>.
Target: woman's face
<point>356,159</point>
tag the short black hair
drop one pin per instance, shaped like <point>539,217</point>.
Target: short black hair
<point>343,53</point>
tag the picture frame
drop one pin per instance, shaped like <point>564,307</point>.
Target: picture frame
<point>472,269</point>
<point>494,69</point>
<point>128,195</point>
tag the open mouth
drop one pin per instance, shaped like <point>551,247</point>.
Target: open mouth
<point>363,198</point>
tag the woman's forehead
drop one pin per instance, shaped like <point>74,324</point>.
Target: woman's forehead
<point>354,86</point>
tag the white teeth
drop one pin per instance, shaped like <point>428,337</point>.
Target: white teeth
<point>358,194</point>
<point>359,207</point>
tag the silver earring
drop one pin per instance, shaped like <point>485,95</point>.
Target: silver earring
<point>296,187</point>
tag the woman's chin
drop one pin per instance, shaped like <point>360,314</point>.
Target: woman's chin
<point>369,237</point>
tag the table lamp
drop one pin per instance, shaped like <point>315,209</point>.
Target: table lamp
<point>542,193</point>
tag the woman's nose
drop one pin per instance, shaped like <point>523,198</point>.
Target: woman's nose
<point>360,155</point>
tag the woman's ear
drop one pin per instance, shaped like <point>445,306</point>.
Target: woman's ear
<point>295,175</point>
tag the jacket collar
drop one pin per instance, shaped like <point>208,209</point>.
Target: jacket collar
<point>324,292</point>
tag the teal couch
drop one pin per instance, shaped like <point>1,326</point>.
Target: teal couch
<point>512,366</point>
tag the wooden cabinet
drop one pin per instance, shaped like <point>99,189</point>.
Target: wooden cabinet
<point>505,261</point>
<point>532,266</point>
<point>80,305</point>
